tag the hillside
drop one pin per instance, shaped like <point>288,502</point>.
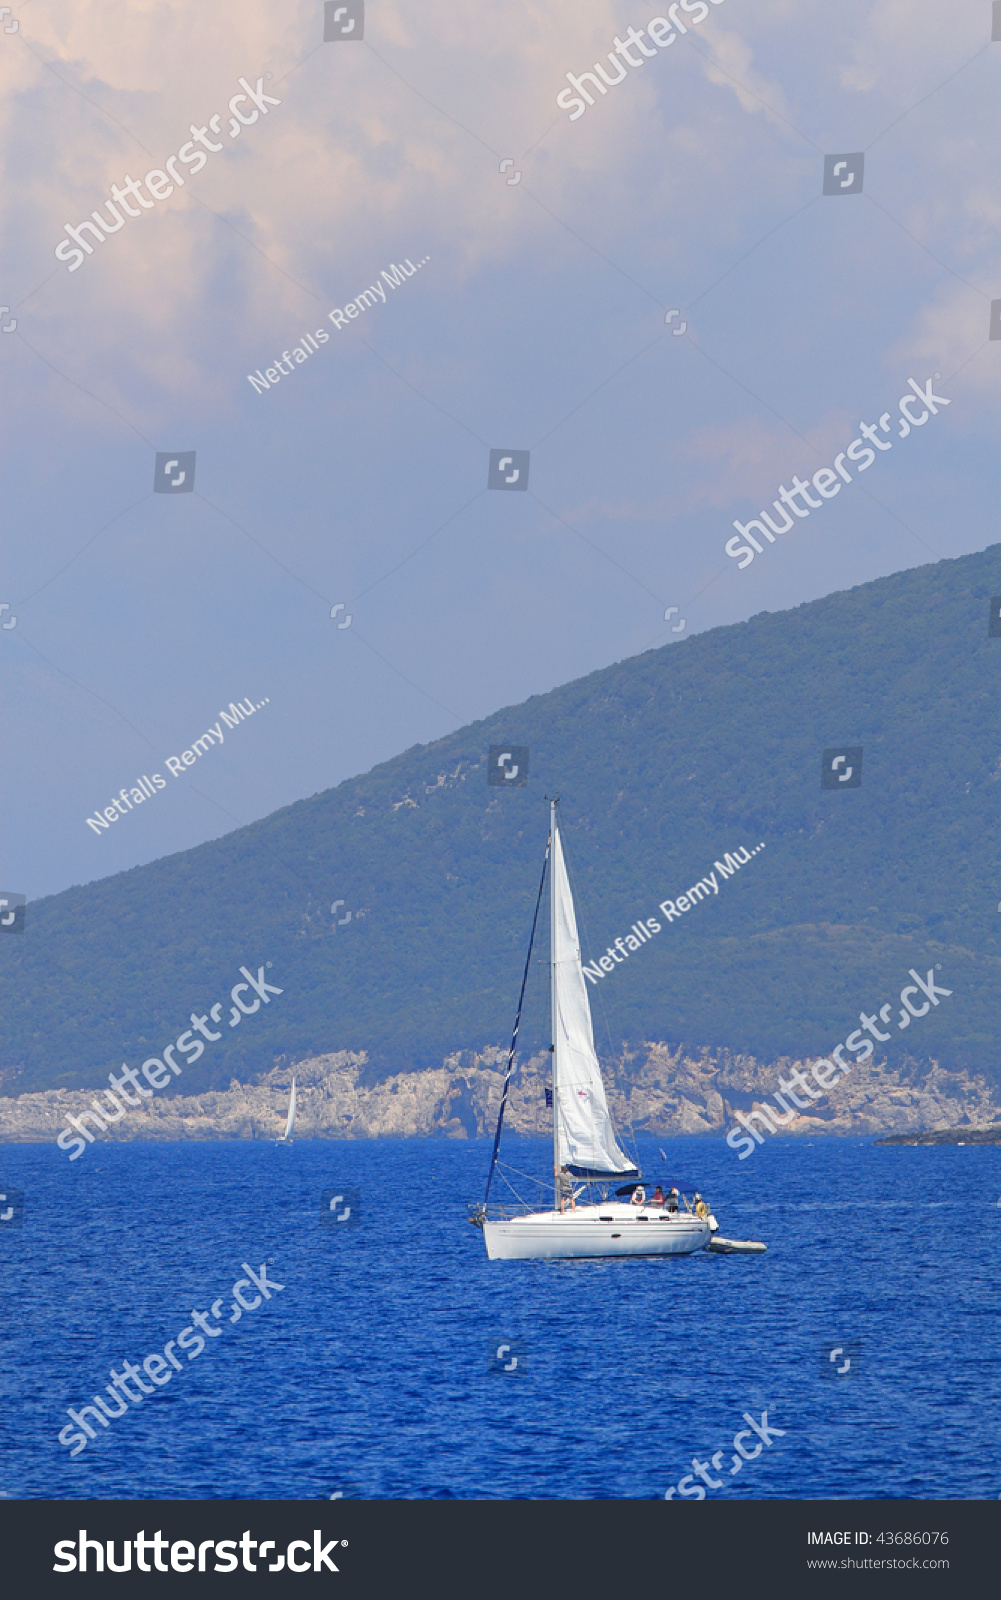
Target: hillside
<point>664,762</point>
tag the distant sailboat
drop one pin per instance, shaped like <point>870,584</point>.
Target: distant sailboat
<point>286,1137</point>
<point>586,1150</point>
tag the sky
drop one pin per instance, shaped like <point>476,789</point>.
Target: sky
<point>654,298</point>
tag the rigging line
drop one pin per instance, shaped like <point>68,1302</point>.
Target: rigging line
<point>517,1196</point>
<point>502,1167</point>
<point>505,1166</point>
<point>517,1024</point>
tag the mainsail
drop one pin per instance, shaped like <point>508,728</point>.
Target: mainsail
<point>585,1137</point>
<point>290,1124</point>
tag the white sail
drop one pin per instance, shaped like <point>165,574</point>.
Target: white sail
<point>585,1137</point>
<point>290,1124</point>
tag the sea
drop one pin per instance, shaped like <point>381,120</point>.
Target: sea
<point>382,1366</point>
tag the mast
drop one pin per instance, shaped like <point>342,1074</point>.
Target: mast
<point>552,1001</point>
<point>514,1035</point>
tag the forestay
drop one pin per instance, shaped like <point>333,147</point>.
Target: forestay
<point>585,1137</point>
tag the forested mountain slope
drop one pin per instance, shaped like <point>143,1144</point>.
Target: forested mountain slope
<point>663,762</point>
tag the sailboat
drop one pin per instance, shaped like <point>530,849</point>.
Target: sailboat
<point>286,1137</point>
<point>587,1156</point>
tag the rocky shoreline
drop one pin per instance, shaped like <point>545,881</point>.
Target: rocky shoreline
<point>991,1135</point>
<point>659,1089</point>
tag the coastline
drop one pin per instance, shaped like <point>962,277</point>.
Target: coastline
<point>658,1089</point>
<point>990,1134</point>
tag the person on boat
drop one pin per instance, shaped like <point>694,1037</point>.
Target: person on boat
<point>657,1198</point>
<point>566,1190</point>
<point>672,1199</point>
<point>638,1196</point>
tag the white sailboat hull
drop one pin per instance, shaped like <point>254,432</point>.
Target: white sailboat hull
<point>591,1231</point>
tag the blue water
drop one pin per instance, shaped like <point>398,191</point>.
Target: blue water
<point>368,1373</point>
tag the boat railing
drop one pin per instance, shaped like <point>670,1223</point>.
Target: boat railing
<point>478,1214</point>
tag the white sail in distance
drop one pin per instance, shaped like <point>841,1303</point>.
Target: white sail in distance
<point>585,1137</point>
<point>290,1124</point>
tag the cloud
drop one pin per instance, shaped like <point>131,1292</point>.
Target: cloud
<point>898,47</point>
<point>950,336</point>
<point>732,68</point>
<point>377,150</point>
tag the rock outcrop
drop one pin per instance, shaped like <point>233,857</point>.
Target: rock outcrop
<point>956,1136</point>
<point>660,1089</point>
